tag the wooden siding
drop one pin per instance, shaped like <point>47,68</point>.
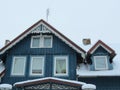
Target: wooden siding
<point>103,83</point>
<point>22,48</point>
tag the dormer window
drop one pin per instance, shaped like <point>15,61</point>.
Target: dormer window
<point>100,62</point>
<point>41,41</point>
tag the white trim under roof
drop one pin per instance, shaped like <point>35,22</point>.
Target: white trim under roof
<point>102,46</point>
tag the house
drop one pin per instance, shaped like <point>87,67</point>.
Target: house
<point>42,58</point>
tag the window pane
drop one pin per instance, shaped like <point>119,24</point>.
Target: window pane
<point>100,62</point>
<point>36,42</point>
<point>47,41</point>
<point>60,66</point>
<point>37,65</point>
<point>17,63</point>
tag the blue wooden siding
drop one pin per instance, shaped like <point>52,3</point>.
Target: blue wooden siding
<point>100,51</point>
<point>103,83</point>
<point>22,48</point>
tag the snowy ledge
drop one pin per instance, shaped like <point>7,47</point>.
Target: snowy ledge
<point>5,86</point>
<point>84,70</point>
<point>64,80</point>
<point>89,86</point>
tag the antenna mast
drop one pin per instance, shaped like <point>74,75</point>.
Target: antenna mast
<point>47,14</point>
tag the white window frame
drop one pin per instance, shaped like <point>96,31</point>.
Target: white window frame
<point>41,44</point>
<point>106,68</point>
<point>62,57</point>
<point>50,43</point>
<point>32,41</point>
<point>43,61</point>
<point>24,66</point>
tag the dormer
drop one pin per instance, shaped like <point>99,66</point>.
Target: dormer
<point>100,57</point>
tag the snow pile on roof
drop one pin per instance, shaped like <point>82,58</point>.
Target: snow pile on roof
<point>5,86</point>
<point>2,67</point>
<point>88,86</point>
<point>64,80</point>
<point>85,71</point>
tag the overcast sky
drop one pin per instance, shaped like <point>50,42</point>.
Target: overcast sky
<point>77,19</point>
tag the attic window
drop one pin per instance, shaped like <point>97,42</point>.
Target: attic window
<point>100,62</point>
<point>44,41</point>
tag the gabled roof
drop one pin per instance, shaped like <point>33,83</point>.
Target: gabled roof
<point>106,47</point>
<point>52,29</point>
<point>50,80</point>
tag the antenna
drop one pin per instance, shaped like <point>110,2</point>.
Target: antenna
<point>47,14</point>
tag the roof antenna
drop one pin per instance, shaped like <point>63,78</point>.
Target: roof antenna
<point>47,14</point>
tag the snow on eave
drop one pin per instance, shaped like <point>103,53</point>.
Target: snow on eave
<point>89,86</point>
<point>64,80</point>
<point>5,86</point>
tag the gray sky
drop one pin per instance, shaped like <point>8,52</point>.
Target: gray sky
<point>77,19</point>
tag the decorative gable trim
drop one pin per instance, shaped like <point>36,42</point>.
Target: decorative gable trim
<point>41,29</point>
<point>49,29</point>
<point>106,47</point>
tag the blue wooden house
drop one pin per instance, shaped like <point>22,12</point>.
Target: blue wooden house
<point>41,58</point>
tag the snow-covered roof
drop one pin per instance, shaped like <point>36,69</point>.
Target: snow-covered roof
<point>5,86</point>
<point>84,71</point>
<point>49,78</point>
<point>85,85</point>
<point>2,68</point>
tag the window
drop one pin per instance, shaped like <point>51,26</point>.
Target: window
<point>37,65</point>
<point>60,65</point>
<point>41,41</point>
<point>100,62</point>
<point>18,66</point>
<point>35,42</point>
<point>47,42</point>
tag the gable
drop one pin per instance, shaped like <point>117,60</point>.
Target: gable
<point>100,45</point>
<point>104,46</point>
<point>43,27</point>
<point>101,50</point>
